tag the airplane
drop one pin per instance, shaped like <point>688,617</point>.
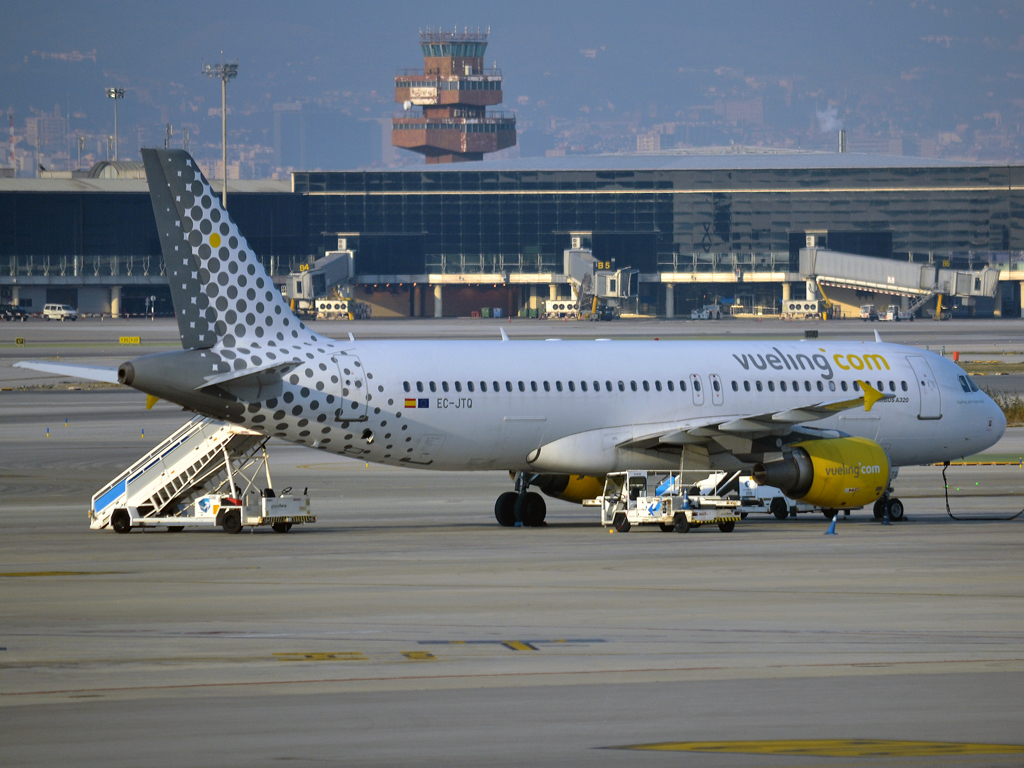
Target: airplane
<point>828,422</point>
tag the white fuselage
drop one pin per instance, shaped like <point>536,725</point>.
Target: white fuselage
<point>467,405</point>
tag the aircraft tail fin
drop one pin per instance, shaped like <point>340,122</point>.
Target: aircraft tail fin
<point>220,290</point>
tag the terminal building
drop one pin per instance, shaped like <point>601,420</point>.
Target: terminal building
<point>451,239</point>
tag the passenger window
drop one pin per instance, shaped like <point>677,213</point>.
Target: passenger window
<point>696,385</point>
<point>558,386</point>
<point>632,385</point>
<point>433,387</point>
<point>796,386</point>
<point>547,386</point>
<point>647,386</point>
<point>807,386</point>
<point>821,387</point>
<point>670,385</point>
<point>746,386</point>
<point>842,385</point>
<point>771,385</point>
<point>508,386</point>
<point>892,386</point>
<point>682,386</point>
<point>622,387</point>
<point>782,386</point>
<point>458,386</point>
<point>735,387</point>
<point>760,388</point>
<point>533,385</point>
<point>469,385</point>
<point>856,386</point>
<point>881,387</point>
<point>608,386</point>
<point>715,385</point>
<point>904,385</point>
<point>444,385</point>
<point>406,387</point>
<point>832,386</point>
<point>522,387</point>
<point>572,386</point>
<point>419,386</point>
<point>657,385</point>
<point>583,386</point>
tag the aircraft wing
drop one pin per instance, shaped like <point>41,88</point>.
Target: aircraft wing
<point>90,372</point>
<point>754,426</point>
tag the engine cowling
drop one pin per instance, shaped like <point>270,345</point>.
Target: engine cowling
<point>841,473</point>
<point>573,488</point>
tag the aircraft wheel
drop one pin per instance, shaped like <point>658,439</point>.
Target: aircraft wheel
<point>727,527</point>
<point>681,524</point>
<point>531,509</point>
<point>232,521</point>
<point>895,509</point>
<point>778,508</point>
<point>879,509</point>
<point>621,523</point>
<point>121,521</point>
<point>666,527</point>
<point>828,513</point>
<point>175,528</point>
<point>505,509</point>
<point>281,527</point>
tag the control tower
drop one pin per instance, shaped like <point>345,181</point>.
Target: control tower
<point>453,91</point>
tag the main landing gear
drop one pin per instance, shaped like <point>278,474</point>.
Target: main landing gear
<point>521,507</point>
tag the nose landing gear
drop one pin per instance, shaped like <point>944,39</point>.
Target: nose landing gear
<point>521,507</point>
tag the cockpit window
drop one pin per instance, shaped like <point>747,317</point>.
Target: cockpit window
<point>964,384</point>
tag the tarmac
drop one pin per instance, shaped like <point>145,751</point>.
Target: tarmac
<point>406,628</point>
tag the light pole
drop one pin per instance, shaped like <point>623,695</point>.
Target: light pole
<point>115,94</point>
<point>225,72</point>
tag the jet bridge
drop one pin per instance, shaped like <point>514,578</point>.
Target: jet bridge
<point>919,282</point>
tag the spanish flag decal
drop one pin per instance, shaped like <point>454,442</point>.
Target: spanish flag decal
<point>410,402</point>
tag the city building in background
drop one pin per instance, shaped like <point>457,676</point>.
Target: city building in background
<point>452,92</point>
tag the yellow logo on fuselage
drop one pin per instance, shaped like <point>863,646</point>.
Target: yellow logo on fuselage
<point>860,363</point>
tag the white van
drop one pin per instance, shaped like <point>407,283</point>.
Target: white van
<point>59,312</point>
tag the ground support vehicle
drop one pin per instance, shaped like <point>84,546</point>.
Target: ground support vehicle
<point>894,314</point>
<point>59,312</point>
<point>657,497</point>
<point>868,312</point>
<point>207,473</point>
<point>9,312</point>
<point>707,312</point>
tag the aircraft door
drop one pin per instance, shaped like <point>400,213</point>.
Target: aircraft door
<point>352,389</point>
<point>717,391</point>
<point>697,388</point>
<point>928,387</point>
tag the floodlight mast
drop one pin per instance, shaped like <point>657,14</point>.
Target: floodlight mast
<point>225,72</point>
<point>115,94</point>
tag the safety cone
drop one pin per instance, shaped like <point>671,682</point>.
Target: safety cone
<point>832,526</point>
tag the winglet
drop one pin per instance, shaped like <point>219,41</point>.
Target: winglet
<point>151,400</point>
<point>871,395</point>
<point>351,336</point>
<point>878,338</point>
<point>504,336</point>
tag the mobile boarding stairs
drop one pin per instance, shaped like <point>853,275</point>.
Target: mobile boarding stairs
<point>206,474</point>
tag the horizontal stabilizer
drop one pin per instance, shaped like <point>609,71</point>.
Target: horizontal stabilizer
<point>252,377</point>
<point>89,372</point>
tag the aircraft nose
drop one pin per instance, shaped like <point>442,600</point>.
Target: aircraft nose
<point>998,418</point>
